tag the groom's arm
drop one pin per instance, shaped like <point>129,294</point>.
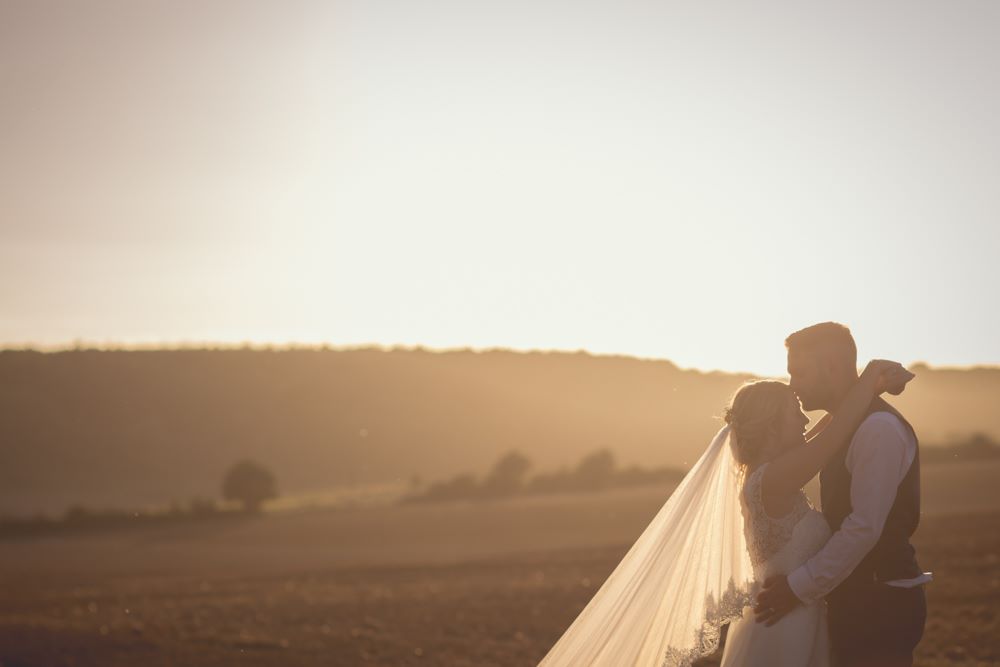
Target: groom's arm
<point>878,459</point>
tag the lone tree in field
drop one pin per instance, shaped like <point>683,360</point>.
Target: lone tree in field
<point>250,484</point>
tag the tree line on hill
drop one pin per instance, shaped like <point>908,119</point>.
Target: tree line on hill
<point>976,447</point>
<point>247,485</point>
<point>598,471</point>
<point>509,477</point>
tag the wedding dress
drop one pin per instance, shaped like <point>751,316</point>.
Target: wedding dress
<point>778,546</point>
<point>696,567</point>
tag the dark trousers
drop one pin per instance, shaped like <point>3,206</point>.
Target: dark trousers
<point>876,625</point>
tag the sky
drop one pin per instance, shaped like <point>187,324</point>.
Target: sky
<point>689,181</point>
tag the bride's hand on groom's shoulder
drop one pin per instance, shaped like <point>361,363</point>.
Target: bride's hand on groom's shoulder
<point>887,376</point>
<point>775,601</point>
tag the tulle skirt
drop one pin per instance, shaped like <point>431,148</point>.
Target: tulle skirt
<point>800,639</point>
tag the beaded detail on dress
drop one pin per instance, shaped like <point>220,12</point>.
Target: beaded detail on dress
<point>766,535</point>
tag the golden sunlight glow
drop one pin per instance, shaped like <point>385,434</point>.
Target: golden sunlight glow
<point>628,178</point>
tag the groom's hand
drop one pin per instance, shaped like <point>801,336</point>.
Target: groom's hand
<point>775,601</point>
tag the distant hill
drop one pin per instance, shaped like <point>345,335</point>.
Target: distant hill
<point>134,428</point>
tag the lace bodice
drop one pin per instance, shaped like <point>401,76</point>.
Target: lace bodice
<point>770,540</point>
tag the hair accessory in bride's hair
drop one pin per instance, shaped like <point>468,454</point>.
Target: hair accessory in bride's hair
<point>730,417</point>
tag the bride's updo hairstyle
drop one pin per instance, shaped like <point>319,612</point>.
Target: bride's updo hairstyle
<point>753,416</point>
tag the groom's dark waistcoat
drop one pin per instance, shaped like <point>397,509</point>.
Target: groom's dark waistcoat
<point>893,556</point>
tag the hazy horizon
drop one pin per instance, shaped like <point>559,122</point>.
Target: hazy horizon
<point>295,346</point>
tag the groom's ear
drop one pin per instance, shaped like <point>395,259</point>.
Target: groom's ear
<point>837,365</point>
<point>830,364</point>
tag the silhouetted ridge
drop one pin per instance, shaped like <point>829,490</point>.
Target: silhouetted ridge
<point>130,428</point>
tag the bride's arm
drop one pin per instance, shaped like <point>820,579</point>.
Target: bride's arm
<point>789,472</point>
<point>818,428</point>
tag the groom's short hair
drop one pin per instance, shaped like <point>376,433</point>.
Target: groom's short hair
<point>827,337</point>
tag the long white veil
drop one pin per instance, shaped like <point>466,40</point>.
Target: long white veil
<point>688,574</point>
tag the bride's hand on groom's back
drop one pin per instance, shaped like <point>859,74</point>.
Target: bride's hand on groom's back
<point>887,376</point>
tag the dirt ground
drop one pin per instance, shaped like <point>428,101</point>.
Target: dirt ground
<point>505,610</point>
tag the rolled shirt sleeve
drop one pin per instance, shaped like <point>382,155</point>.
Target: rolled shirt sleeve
<point>879,456</point>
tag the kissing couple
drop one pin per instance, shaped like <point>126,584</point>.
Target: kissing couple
<point>739,543</point>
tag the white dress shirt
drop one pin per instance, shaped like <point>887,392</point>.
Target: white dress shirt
<point>879,456</point>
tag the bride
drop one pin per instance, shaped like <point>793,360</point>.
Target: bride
<point>737,517</point>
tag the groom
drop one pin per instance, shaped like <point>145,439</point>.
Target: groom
<point>870,493</point>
